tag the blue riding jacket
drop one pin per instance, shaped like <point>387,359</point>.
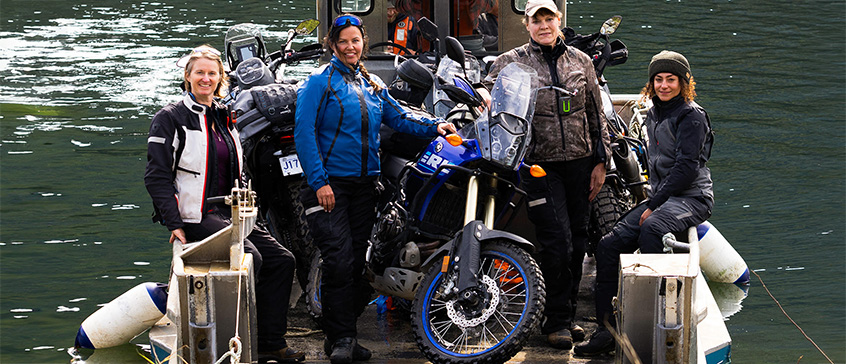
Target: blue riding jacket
<point>338,118</point>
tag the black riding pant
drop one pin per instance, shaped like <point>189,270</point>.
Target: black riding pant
<point>675,215</point>
<point>273,268</point>
<point>559,208</point>
<point>341,235</point>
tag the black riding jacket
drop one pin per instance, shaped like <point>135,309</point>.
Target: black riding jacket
<point>680,141</point>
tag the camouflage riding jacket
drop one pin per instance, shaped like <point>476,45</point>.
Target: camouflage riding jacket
<point>562,129</point>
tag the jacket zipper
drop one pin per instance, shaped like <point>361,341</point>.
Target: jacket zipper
<point>365,126</point>
<point>553,74</point>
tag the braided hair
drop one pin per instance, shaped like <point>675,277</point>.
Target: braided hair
<point>331,39</point>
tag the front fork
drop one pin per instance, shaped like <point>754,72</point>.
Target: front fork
<point>468,248</point>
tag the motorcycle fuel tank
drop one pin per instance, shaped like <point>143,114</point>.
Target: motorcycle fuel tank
<point>440,152</point>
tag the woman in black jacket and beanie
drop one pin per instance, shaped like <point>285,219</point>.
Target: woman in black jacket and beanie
<point>680,194</point>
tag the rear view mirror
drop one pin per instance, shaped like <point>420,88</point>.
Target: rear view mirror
<point>455,50</point>
<point>428,30</point>
<point>307,26</point>
<point>610,25</point>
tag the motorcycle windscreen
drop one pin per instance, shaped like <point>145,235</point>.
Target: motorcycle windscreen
<point>447,70</point>
<point>505,132</point>
<point>242,42</point>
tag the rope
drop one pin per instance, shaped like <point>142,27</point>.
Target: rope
<point>234,352</point>
<point>301,332</point>
<point>628,348</point>
<point>235,346</point>
<point>638,265</point>
<point>788,317</point>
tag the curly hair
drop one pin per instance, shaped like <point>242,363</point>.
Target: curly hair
<point>688,90</point>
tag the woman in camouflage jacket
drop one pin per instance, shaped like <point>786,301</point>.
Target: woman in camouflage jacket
<point>570,141</point>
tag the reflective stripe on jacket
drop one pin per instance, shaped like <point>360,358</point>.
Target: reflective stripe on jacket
<point>404,34</point>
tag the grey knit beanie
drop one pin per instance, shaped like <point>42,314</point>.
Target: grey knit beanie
<point>669,61</point>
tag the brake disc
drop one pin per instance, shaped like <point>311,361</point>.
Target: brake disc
<point>463,322</point>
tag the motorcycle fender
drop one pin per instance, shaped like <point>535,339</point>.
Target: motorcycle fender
<point>438,254</point>
<point>504,235</point>
<point>484,235</point>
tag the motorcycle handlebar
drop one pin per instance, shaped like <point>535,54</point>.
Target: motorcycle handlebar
<point>276,58</point>
<point>297,56</point>
<point>216,199</point>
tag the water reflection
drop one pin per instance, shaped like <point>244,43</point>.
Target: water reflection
<point>107,54</point>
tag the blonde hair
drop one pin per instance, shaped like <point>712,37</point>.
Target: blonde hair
<point>208,52</point>
<point>545,11</point>
<point>688,90</point>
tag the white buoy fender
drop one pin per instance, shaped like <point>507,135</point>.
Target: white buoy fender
<point>124,318</point>
<point>717,259</point>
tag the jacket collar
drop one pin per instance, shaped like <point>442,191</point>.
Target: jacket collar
<point>556,50</point>
<point>340,66</point>
<point>669,104</point>
<point>193,105</point>
<point>196,107</point>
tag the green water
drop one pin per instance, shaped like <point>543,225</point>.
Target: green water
<point>80,80</point>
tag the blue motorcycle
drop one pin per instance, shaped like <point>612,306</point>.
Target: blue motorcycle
<point>477,294</point>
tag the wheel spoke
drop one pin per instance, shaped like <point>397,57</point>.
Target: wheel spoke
<point>441,328</point>
<point>437,307</point>
<point>476,331</point>
<point>457,343</point>
<point>500,317</point>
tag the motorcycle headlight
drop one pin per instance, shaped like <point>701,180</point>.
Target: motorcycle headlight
<point>503,139</point>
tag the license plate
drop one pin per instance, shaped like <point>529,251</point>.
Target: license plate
<point>290,165</point>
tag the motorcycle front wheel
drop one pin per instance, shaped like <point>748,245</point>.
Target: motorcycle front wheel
<point>492,331</point>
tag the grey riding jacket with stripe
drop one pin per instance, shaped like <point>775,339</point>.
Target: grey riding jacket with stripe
<point>181,164</point>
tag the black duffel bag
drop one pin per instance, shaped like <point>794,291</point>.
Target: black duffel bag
<point>263,106</point>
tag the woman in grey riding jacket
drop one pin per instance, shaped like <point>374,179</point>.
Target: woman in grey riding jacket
<point>193,152</point>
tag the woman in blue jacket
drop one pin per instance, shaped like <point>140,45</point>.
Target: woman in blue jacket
<point>340,108</point>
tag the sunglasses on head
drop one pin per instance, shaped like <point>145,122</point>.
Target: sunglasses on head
<point>182,62</point>
<point>206,49</point>
<point>347,19</point>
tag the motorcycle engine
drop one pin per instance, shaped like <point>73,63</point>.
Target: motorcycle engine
<point>390,225</point>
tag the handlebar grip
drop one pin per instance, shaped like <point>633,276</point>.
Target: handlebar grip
<point>296,56</point>
<point>216,199</point>
<point>274,56</point>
